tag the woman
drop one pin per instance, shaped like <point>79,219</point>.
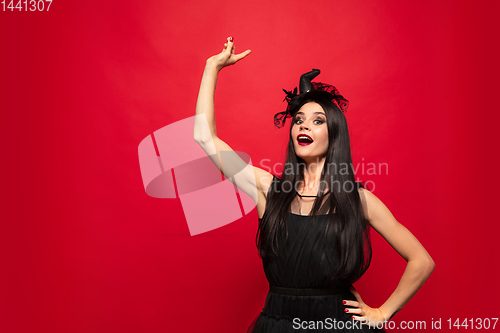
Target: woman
<point>312,254</point>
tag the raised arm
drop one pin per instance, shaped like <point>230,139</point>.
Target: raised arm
<point>251,180</point>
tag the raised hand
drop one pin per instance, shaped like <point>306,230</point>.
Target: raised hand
<point>227,57</point>
<point>363,313</point>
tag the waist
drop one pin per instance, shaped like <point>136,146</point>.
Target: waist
<point>309,291</point>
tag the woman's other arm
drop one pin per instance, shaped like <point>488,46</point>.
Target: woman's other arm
<point>420,264</point>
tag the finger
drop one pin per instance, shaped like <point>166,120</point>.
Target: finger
<point>351,303</point>
<point>359,318</point>
<point>224,48</point>
<point>230,45</point>
<point>242,55</point>
<point>354,311</point>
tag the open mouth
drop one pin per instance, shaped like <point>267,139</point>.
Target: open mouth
<point>304,139</point>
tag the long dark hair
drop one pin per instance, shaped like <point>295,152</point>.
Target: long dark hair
<point>352,236</point>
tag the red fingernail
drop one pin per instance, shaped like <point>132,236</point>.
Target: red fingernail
<point>231,39</point>
<point>346,310</point>
<point>344,302</point>
<point>352,317</point>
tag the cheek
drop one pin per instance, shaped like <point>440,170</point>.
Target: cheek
<point>323,135</point>
<point>324,142</point>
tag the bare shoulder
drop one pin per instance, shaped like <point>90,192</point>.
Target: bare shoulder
<point>376,212</point>
<point>367,197</point>
<point>263,180</point>
<point>362,195</point>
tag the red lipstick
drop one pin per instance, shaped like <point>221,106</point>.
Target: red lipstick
<point>304,139</point>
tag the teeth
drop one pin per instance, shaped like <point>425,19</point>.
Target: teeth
<point>303,137</point>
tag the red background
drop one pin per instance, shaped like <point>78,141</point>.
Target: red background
<point>85,249</point>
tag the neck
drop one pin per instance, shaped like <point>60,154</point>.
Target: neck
<point>312,172</point>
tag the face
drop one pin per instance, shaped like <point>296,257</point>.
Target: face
<point>310,120</point>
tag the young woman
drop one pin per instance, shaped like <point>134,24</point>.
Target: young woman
<point>314,221</point>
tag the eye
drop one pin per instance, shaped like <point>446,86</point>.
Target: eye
<point>318,121</point>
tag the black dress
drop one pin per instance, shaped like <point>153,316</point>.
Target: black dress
<point>301,297</point>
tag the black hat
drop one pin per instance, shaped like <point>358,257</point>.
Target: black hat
<point>308,88</point>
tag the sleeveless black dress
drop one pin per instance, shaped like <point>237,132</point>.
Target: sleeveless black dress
<point>301,297</point>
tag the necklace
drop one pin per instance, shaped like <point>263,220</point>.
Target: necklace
<point>308,196</point>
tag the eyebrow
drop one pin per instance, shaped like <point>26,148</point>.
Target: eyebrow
<point>300,112</point>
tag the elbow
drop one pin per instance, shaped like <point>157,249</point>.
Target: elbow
<point>428,265</point>
<point>202,139</point>
<point>424,264</point>
<point>196,135</point>
<point>198,139</point>
<point>432,265</point>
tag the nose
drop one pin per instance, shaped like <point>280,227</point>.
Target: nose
<point>303,126</point>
